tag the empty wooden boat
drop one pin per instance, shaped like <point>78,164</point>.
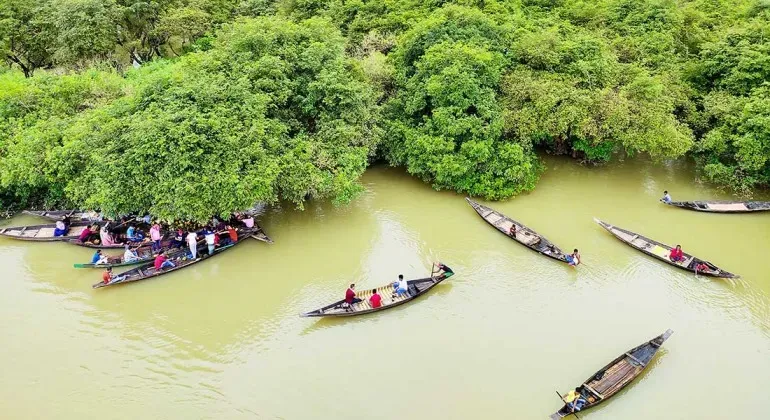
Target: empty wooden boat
<point>610,379</point>
<point>389,299</point>
<point>58,214</point>
<point>522,235</point>
<point>179,257</point>
<point>719,206</point>
<point>661,252</point>
<point>260,235</point>
<point>44,233</point>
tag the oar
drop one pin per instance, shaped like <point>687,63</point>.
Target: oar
<point>562,400</point>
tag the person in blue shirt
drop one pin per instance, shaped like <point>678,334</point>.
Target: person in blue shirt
<point>666,197</point>
<point>99,258</point>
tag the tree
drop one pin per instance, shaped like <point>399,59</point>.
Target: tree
<point>86,29</point>
<point>27,34</point>
<point>273,111</point>
<point>447,124</point>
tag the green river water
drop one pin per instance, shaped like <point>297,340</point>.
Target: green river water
<point>223,339</point>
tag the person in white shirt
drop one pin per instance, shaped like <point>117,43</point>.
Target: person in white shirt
<point>248,222</point>
<point>400,287</point>
<point>192,242</point>
<point>209,235</point>
<point>666,198</point>
<point>130,255</point>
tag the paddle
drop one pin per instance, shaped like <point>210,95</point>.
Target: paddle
<point>562,399</point>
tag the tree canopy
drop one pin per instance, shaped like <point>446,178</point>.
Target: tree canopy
<point>187,108</point>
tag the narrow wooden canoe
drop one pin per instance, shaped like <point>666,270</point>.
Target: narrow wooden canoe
<point>722,206</point>
<point>389,300</point>
<point>58,214</point>
<point>260,235</point>
<point>610,379</point>
<point>661,251</point>
<point>43,233</point>
<point>148,271</point>
<point>524,235</point>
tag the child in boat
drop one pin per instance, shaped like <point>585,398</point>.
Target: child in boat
<point>574,258</point>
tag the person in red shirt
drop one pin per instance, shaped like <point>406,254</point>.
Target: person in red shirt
<point>350,295</point>
<point>162,262</point>
<point>85,234</point>
<point>376,299</point>
<point>107,275</point>
<point>676,254</point>
<point>233,234</point>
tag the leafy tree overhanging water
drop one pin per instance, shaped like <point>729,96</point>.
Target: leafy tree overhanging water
<point>234,102</point>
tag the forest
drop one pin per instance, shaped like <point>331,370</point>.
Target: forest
<point>188,108</point>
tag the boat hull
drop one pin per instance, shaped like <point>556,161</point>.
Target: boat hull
<point>660,251</point>
<point>417,288</point>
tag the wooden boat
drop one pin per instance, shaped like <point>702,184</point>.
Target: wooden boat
<point>610,379</point>
<point>389,300</point>
<point>722,206</point>
<point>661,251</point>
<point>58,214</point>
<point>148,271</point>
<point>44,233</point>
<point>260,235</point>
<point>524,235</point>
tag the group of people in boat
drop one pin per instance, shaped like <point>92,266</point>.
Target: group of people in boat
<point>216,234</point>
<point>400,288</point>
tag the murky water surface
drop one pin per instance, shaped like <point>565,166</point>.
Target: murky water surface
<point>222,340</point>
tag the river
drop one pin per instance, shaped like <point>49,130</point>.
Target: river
<point>223,340</point>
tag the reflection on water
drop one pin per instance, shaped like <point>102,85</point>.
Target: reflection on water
<point>223,339</point>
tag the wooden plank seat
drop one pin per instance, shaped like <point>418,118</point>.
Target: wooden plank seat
<point>635,359</point>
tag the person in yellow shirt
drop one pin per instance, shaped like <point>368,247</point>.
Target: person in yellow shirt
<point>575,400</point>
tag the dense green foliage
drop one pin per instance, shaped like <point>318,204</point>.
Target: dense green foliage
<point>238,101</point>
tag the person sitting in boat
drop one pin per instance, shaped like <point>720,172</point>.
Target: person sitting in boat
<point>666,197</point>
<point>99,258</point>
<point>161,262</point>
<point>702,267</point>
<point>574,258</point>
<point>400,287</point>
<point>376,299</point>
<point>512,231</point>
<point>134,235</point>
<point>61,228</point>
<point>130,255</point>
<point>85,234</point>
<point>575,400</point>
<point>178,240</point>
<point>106,237</point>
<point>108,278</point>
<point>676,254</point>
<point>350,295</point>
<point>248,221</point>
